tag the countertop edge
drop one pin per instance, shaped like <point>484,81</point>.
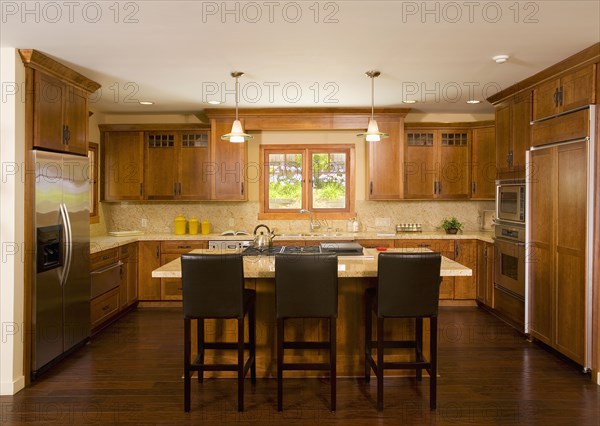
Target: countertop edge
<point>105,242</point>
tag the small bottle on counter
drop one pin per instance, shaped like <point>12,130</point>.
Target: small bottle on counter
<point>355,225</point>
<point>193,226</point>
<point>179,224</point>
<point>205,227</point>
<point>350,225</point>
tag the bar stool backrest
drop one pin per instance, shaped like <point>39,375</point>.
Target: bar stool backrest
<point>408,284</point>
<point>213,285</point>
<point>306,285</point>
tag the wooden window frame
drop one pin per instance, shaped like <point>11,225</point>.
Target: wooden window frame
<point>307,151</point>
<point>93,178</point>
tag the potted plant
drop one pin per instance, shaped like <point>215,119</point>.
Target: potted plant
<point>451,225</point>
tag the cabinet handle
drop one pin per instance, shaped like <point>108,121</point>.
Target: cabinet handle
<point>560,96</point>
<point>175,189</point>
<point>371,188</point>
<point>456,251</point>
<point>435,187</point>
<point>439,187</point>
<point>65,135</point>
<point>106,256</point>
<point>179,188</point>
<point>184,247</point>
<point>423,245</point>
<point>242,192</point>
<point>555,97</point>
<point>510,158</point>
<point>105,308</point>
<point>141,189</point>
<point>473,187</point>
<point>158,252</point>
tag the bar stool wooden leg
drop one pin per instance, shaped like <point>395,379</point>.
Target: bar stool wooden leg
<point>280,336</point>
<point>433,356</point>
<point>200,335</point>
<point>252,338</point>
<point>368,338</point>
<point>186,365</point>
<point>332,361</point>
<point>419,346</point>
<point>240,366</point>
<point>380,369</point>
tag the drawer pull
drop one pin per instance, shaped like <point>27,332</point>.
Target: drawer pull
<point>106,308</point>
<point>106,256</point>
<point>184,247</point>
<point>423,245</point>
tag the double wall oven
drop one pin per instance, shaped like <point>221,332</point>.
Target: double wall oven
<point>509,244</point>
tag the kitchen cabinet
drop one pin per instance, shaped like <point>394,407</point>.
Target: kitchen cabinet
<point>513,118</point>
<point>443,246</point>
<point>170,288</point>
<point>483,163</point>
<point>485,273</point>
<point>375,243</point>
<point>60,118</point>
<point>465,253</point>
<point>122,166</point>
<point>228,165</point>
<point>383,162</point>
<point>128,290</point>
<point>148,260</point>
<point>570,91</point>
<point>437,164</point>
<point>177,165</point>
<point>558,254</point>
<point>106,280</point>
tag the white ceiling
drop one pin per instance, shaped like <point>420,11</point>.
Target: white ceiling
<point>178,51</point>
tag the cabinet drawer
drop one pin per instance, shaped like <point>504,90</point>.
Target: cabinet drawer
<point>128,250</point>
<point>376,243</point>
<point>178,247</point>
<point>171,289</point>
<point>103,258</point>
<point>103,307</point>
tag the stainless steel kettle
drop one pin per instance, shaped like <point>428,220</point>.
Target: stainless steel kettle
<point>263,241</point>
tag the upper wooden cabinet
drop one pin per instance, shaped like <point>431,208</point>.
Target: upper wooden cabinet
<point>383,162</point>
<point>228,165</point>
<point>437,163</point>
<point>483,163</point>
<point>572,90</point>
<point>513,129</point>
<point>122,165</point>
<point>56,98</point>
<point>179,162</point>
<point>60,115</point>
<point>177,165</point>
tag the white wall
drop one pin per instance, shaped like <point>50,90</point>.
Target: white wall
<point>12,156</point>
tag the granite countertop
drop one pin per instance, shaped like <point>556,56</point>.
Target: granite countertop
<point>105,242</point>
<point>348,266</point>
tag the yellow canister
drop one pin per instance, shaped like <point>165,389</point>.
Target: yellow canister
<point>193,225</point>
<point>180,225</point>
<point>205,227</point>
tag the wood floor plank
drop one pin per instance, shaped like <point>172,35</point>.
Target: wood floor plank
<point>131,373</point>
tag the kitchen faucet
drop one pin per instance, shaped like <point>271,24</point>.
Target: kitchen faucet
<point>314,224</point>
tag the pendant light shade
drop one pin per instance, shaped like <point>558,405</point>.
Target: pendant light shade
<point>373,134</point>
<point>237,134</point>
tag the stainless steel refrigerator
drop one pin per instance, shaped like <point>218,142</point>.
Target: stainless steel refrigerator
<point>61,291</point>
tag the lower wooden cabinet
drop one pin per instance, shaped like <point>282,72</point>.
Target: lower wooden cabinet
<point>485,273</point>
<point>148,260</point>
<point>103,307</point>
<point>466,254</point>
<point>129,287</point>
<point>170,288</point>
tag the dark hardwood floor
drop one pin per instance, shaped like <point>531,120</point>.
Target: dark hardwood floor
<point>132,374</point>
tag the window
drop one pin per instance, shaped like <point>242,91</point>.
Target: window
<point>93,178</point>
<point>318,178</point>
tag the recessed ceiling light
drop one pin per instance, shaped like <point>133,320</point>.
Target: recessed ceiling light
<point>214,102</point>
<point>500,59</point>
<point>146,103</point>
<point>409,101</point>
<point>473,101</point>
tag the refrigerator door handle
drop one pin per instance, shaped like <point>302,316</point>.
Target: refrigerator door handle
<point>68,243</point>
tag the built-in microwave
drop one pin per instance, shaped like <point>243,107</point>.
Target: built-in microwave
<point>510,201</point>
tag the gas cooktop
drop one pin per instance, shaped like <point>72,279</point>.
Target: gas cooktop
<point>342,248</point>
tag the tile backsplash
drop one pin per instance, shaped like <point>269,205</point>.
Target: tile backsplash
<point>373,216</point>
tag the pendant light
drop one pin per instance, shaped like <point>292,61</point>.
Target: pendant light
<point>237,134</point>
<point>373,134</point>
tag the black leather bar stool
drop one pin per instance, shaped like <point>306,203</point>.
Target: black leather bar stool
<point>306,287</point>
<point>408,287</point>
<point>213,287</point>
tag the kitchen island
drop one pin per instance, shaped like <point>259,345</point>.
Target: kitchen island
<point>356,273</point>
